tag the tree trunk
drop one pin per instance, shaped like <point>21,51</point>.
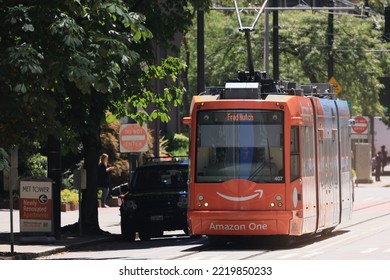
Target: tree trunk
<point>88,112</point>
<point>89,206</point>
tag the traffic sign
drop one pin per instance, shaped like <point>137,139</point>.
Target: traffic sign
<point>336,85</point>
<point>133,138</point>
<point>361,125</point>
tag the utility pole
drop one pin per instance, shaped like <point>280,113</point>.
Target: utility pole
<point>386,34</point>
<point>200,46</point>
<point>266,42</point>
<point>275,35</point>
<point>54,173</point>
<point>330,40</point>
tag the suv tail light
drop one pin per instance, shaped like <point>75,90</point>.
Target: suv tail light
<point>183,201</point>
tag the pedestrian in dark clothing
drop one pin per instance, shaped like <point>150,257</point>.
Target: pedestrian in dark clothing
<point>384,157</point>
<point>377,165</point>
<point>104,178</point>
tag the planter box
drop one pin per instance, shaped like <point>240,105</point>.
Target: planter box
<point>65,207</point>
<point>74,206</point>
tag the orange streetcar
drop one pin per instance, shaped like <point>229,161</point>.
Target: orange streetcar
<point>269,158</point>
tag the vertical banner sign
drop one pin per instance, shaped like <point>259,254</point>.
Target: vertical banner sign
<point>36,206</point>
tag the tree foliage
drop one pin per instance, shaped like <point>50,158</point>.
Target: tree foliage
<point>304,55</point>
<point>64,64</point>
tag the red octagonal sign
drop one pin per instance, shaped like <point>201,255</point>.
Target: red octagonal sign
<point>361,125</point>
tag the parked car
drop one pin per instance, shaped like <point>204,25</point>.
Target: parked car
<point>156,200</point>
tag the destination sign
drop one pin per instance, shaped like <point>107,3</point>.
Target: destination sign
<point>241,117</point>
<point>236,116</point>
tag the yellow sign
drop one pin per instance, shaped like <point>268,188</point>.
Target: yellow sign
<point>336,86</point>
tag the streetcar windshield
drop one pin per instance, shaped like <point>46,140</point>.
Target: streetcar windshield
<point>239,144</point>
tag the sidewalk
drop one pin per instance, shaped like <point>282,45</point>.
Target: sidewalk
<point>384,182</point>
<point>28,248</point>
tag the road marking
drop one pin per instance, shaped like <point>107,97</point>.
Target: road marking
<point>288,256</point>
<point>312,254</point>
<point>369,250</point>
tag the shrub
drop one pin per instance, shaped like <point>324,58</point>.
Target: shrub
<point>36,165</point>
<point>69,196</point>
<point>180,145</point>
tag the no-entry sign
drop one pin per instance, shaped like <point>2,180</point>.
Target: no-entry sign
<point>361,125</point>
<point>133,138</point>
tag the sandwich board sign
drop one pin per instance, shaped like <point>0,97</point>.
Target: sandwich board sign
<point>36,205</point>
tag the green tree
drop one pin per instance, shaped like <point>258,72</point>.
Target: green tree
<point>64,64</point>
<point>304,55</point>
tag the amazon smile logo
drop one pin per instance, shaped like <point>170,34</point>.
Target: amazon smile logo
<point>258,193</point>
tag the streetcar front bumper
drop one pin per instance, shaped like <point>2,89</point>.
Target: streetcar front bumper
<point>244,223</point>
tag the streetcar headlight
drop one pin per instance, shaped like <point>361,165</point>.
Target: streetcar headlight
<point>278,197</point>
<point>272,204</point>
<point>200,201</point>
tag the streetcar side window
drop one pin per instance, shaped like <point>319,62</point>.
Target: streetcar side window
<point>294,154</point>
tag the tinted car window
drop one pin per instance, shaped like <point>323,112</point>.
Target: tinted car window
<point>170,176</point>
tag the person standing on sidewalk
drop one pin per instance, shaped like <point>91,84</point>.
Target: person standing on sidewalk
<point>384,157</point>
<point>377,166</point>
<point>104,178</point>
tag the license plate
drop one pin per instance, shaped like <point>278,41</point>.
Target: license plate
<point>156,218</point>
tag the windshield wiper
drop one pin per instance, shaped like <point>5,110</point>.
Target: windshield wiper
<point>256,171</point>
<point>262,165</point>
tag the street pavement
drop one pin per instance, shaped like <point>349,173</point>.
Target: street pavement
<point>18,246</point>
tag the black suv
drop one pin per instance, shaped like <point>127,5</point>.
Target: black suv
<point>156,200</point>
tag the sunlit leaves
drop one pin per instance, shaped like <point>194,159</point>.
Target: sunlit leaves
<point>167,72</point>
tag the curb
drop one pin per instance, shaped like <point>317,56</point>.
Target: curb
<point>60,249</point>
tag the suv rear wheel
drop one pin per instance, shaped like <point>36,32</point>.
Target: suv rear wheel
<point>144,235</point>
<point>127,230</point>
